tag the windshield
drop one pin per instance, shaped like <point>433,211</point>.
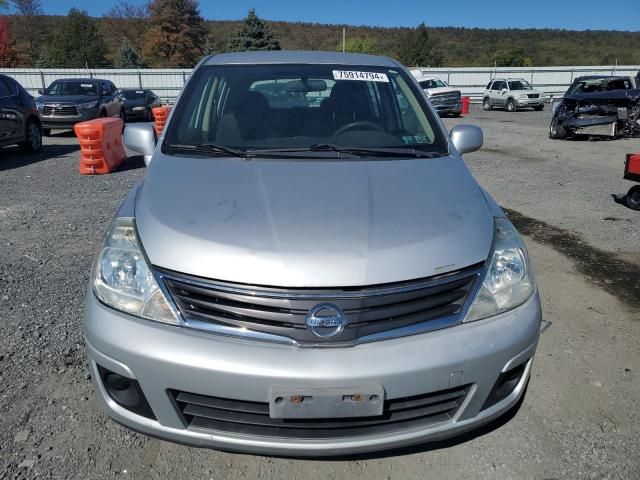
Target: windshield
<point>432,83</point>
<point>600,84</point>
<point>519,85</point>
<point>72,88</point>
<point>266,107</point>
<point>133,94</point>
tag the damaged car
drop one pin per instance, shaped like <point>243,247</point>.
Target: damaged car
<point>598,106</point>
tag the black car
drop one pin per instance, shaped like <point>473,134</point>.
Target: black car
<point>71,100</point>
<point>138,103</point>
<point>19,119</point>
<point>598,106</point>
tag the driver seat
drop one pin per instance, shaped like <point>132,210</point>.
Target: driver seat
<point>347,103</point>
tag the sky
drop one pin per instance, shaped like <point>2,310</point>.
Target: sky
<point>571,15</point>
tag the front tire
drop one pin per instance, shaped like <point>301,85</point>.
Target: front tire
<point>556,130</point>
<point>633,198</point>
<point>511,105</point>
<point>33,137</point>
<point>46,132</point>
<point>486,105</point>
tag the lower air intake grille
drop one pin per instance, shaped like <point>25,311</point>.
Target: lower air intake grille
<point>252,418</point>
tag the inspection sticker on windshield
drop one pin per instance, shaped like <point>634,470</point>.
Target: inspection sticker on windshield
<point>362,76</point>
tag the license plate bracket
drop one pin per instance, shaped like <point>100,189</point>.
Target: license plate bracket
<point>302,403</point>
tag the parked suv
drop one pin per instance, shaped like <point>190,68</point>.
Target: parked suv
<point>445,99</point>
<point>318,279</point>
<point>71,100</point>
<point>19,118</point>
<point>512,94</point>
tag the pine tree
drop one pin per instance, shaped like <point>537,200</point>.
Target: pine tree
<point>177,34</point>
<point>76,43</point>
<point>8,54</point>
<point>128,56</point>
<point>416,50</point>
<point>253,35</point>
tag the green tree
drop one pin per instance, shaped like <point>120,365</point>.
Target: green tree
<point>415,49</point>
<point>8,54</point>
<point>128,56</point>
<point>359,45</point>
<point>76,43</point>
<point>29,15</point>
<point>514,57</point>
<point>177,34</point>
<point>253,35</point>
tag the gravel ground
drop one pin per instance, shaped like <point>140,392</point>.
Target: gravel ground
<point>580,418</point>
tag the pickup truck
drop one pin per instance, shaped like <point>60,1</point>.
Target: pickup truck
<point>445,99</point>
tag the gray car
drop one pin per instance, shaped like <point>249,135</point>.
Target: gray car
<point>72,100</point>
<point>512,94</point>
<point>297,276</point>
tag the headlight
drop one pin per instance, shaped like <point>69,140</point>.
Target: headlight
<point>122,278</point>
<point>39,105</point>
<point>509,281</point>
<point>524,95</point>
<point>88,105</point>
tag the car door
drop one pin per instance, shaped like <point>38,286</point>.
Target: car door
<point>499,98</point>
<point>107,98</point>
<point>11,115</point>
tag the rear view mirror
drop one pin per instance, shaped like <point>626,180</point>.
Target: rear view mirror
<point>306,86</point>
<point>141,138</point>
<point>467,138</point>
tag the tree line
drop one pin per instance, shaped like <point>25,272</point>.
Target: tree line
<point>172,33</point>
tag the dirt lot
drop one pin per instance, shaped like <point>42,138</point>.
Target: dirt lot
<point>579,420</point>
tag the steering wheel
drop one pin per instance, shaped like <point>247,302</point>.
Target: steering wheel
<point>361,125</point>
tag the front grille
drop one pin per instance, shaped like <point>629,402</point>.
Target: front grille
<point>451,98</point>
<point>533,95</point>
<point>201,412</point>
<point>61,111</point>
<point>433,303</point>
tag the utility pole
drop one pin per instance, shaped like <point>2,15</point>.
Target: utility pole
<point>344,39</point>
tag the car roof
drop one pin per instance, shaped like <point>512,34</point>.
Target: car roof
<point>87,80</point>
<point>303,57</point>
<point>600,77</point>
<point>508,79</point>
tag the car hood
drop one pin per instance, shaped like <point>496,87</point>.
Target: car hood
<point>302,223</point>
<point>138,102</point>
<point>66,98</point>
<point>441,90</point>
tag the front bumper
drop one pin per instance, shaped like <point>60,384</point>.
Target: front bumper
<point>163,358</point>
<point>530,102</point>
<point>135,114</point>
<point>64,122</point>
<point>448,108</point>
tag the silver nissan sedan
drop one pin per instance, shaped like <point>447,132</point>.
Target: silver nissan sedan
<point>308,267</point>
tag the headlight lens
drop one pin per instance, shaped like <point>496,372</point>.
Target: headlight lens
<point>524,95</point>
<point>123,280</point>
<point>88,104</point>
<point>509,281</point>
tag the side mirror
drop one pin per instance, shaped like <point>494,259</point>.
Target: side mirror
<point>141,138</point>
<point>466,138</point>
<point>503,91</point>
<point>40,91</point>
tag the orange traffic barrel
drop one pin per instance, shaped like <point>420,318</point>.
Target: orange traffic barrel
<point>466,101</point>
<point>632,167</point>
<point>101,148</point>
<point>160,115</point>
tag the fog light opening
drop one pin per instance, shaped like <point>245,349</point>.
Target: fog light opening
<point>506,383</point>
<point>126,392</point>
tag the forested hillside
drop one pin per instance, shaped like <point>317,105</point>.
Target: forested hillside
<point>450,46</point>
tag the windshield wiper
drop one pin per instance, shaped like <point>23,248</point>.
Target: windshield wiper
<point>209,149</point>
<point>357,151</point>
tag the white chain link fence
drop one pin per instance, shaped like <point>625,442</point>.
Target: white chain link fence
<point>553,81</point>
